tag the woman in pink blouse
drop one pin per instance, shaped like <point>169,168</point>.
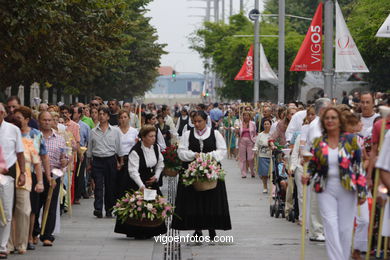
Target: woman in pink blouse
<point>247,133</point>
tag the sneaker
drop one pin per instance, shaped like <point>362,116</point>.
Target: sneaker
<point>319,238</point>
<point>265,191</point>
<point>98,213</point>
<point>108,214</point>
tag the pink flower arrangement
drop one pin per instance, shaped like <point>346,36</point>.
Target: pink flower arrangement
<point>133,205</point>
<point>204,168</point>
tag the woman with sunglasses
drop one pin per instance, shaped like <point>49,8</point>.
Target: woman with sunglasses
<point>337,172</point>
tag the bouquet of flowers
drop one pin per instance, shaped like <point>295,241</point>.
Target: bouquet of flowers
<point>133,206</point>
<point>204,169</point>
<point>171,161</point>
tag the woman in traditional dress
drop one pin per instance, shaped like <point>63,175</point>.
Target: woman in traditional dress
<point>151,119</point>
<point>145,167</point>
<point>198,210</point>
<point>164,129</point>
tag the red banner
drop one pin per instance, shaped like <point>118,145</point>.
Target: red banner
<point>246,72</point>
<point>309,57</point>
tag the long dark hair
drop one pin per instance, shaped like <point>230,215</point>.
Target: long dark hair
<point>202,114</point>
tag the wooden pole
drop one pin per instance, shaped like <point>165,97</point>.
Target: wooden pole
<point>306,156</point>
<point>2,213</point>
<point>139,115</point>
<point>69,192</point>
<point>376,183</point>
<point>47,206</point>
<point>379,241</point>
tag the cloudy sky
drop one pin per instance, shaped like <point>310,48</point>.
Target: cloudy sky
<point>175,20</point>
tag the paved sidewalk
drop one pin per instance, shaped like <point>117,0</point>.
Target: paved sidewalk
<point>256,235</point>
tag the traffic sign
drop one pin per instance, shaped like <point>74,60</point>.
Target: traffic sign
<point>254,14</point>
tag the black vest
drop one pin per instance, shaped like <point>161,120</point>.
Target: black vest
<point>182,124</point>
<point>145,172</point>
<point>209,145</point>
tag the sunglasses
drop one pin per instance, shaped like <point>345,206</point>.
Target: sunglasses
<point>94,104</point>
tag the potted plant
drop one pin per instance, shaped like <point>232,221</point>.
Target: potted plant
<point>171,161</point>
<point>203,173</point>
<point>134,210</point>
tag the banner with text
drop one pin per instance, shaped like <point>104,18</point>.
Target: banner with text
<point>309,57</point>
<point>246,72</point>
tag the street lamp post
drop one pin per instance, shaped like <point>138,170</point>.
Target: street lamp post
<point>281,51</point>
<point>256,57</point>
<point>328,48</point>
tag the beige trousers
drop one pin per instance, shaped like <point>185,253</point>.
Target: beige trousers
<point>289,206</point>
<point>20,221</point>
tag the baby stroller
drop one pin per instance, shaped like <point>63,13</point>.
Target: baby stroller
<point>278,175</point>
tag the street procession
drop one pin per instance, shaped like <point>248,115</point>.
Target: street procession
<point>209,129</point>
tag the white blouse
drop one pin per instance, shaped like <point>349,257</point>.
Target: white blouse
<point>127,141</point>
<point>187,155</point>
<point>151,161</point>
<point>383,161</point>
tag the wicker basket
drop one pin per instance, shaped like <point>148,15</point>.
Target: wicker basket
<point>170,172</point>
<point>203,186</point>
<point>144,222</point>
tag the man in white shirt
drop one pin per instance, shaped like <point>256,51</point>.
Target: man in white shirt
<point>368,113</point>
<point>12,146</point>
<point>316,231</point>
<point>295,124</point>
<point>363,220</point>
<point>383,161</point>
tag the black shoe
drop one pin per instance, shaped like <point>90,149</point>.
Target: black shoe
<point>212,234</point>
<point>108,214</point>
<point>98,213</point>
<point>197,233</point>
<point>30,246</point>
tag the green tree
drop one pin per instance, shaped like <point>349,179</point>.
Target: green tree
<point>364,19</point>
<point>78,45</point>
<point>217,41</point>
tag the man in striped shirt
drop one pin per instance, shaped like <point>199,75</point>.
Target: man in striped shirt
<point>56,149</point>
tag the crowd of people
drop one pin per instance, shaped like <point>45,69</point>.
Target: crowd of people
<point>53,156</point>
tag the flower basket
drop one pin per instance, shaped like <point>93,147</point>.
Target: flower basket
<point>134,210</point>
<point>203,173</point>
<point>170,172</point>
<point>204,185</point>
<point>171,161</point>
<point>144,222</point>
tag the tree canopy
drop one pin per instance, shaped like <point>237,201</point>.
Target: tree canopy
<point>82,47</point>
<point>217,41</point>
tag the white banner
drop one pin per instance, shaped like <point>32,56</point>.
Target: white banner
<point>384,31</point>
<point>348,58</point>
<point>266,72</point>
